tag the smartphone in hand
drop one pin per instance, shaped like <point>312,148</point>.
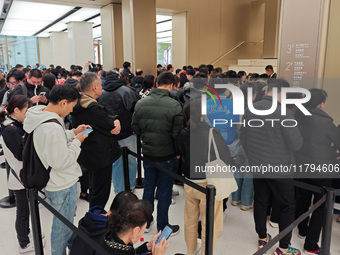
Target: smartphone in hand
<point>166,232</point>
<point>42,94</point>
<point>85,132</point>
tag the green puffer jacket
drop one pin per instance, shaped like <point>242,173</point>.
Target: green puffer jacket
<point>158,119</point>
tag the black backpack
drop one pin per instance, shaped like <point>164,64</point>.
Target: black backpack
<point>33,173</point>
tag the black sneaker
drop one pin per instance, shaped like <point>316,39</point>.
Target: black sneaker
<point>1,152</point>
<point>147,229</point>
<point>3,165</point>
<point>175,229</point>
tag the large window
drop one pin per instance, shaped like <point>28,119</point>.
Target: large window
<point>18,50</point>
<point>164,39</point>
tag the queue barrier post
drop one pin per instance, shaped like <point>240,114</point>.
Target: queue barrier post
<point>35,220</point>
<point>125,155</point>
<point>327,228</point>
<point>139,180</point>
<point>9,201</point>
<point>209,228</point>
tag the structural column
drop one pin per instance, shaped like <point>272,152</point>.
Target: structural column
<point>179,40</point>
<point>80,42</point>
<point>271,28</point>
<point>112,36</point>
<point>139,34</point>
<point>58,50</point>
<point>303,35</point>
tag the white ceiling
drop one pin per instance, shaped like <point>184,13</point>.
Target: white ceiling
<point>27,18</point>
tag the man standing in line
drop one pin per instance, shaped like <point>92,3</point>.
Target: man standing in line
<point>158,119</point>
<point>33,89</point>
<point>101,149</point>
<point>57,149</point>
<point>119,99</point>
<point>272,145</point>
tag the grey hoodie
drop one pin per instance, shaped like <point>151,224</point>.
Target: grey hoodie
<point>55,147</point>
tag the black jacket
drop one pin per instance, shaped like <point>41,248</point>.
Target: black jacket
<point>128,73</point>
<point>96,233</point>
<point>319,133</point>
<point>119,100</point>
<point>101,148</point>
<point>137,81</point>
<point>32,90</point>
<point>118,247</point>
<point>195,143</point>
<point>271,144</point>
<point>2,93</point>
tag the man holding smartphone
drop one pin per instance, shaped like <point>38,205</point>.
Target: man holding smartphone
<point>33,89</point>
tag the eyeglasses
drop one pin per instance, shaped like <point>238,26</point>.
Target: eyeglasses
<point>13,84</point>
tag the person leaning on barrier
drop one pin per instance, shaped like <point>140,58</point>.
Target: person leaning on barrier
<point>321,139</point>
<point>126,226</point>
<point>193,141</point>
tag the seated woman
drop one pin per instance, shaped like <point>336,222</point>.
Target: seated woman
<point>126,226</point>
<point>94,221</point>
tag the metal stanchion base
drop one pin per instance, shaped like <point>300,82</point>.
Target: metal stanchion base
<point>140,185</point>
<point>5,203</point>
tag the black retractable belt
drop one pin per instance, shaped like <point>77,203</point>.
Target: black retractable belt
<point>76,230</point>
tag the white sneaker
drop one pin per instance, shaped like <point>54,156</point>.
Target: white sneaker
<point>147,229</point>
<point>30,247</point>
<point>273,224</point>
<point>224,215</point>
<point>175,193</point>
<point>30,235</point>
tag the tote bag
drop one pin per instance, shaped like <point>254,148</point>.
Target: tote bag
<point>223,181</point>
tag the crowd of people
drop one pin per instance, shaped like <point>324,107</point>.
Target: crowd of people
<point>57,105</point>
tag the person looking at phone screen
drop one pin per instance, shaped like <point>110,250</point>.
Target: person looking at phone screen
<point>33,89</point>
<point>126,226</point>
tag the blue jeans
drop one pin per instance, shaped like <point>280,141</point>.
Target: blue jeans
<point>117,166</point>
<point>155,178</point>
<point>64,201</point>
<point>244,181</point>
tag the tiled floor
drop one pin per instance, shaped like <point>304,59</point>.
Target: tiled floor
<point>238,237</point>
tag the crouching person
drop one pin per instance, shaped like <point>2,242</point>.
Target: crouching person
<point>57,149</point>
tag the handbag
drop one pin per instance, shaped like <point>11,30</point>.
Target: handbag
<point>223,181</point>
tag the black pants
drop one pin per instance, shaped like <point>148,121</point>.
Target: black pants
<point>100,186</point>
<point>84,180</point>
<point>283,192</point>
<point>22,220</point>
<point>311,226</point>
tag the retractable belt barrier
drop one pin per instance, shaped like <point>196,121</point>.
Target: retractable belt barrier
<point>210,192</point>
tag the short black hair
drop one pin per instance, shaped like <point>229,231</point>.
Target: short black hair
<point>264,76</point>
<point>19,66</point>
<point>210,68</point>
<point>126,64</point>
<point>51,65</point>
<point>26,70</point>
<point>318,96</point>
<point>240,74</point>
<point>269,67</point>
<point>277,83</point>
<point>184,68</point>
<point>168,67</point>
<point>159,65</point>
<point>72,67</point>
<point>191,72</point>
<point>86,80</point>
<point>165,79</point>
<point>59,93</point>
<point>55,72</point>
<point>189,67</point>
<point>79,67</point>
<point>35,73</point>
<point>112,74</point>
<point>18,75</point>
<point>178,71</point>
<point>77,73</point>
<point>139,73</point>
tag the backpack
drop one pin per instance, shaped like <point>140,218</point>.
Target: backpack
<point>33,173</point>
